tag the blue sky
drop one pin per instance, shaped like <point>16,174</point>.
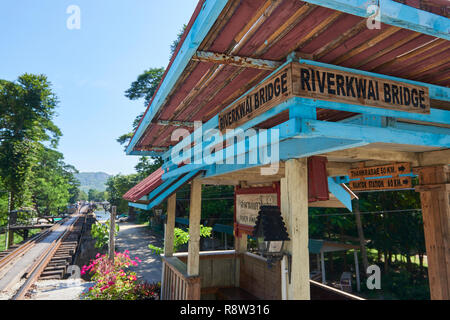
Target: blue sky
<point>90,68</point>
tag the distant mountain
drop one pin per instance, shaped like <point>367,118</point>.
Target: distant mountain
<point>92,180</point>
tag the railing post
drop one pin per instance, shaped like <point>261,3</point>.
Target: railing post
<point>193,288</point>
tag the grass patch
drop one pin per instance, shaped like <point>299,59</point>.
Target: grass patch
<point>17,239</point>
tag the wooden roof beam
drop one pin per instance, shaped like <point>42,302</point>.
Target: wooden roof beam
<point>432,158</point>
<point>175,123</point>
<point>242,62</point>
<point>364,154</point>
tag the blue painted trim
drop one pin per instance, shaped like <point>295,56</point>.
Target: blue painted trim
<point>340,193</point>
<point>183,221</point>
<point>223,228</point>
<point>290,149</point>
<point>161,187</point>
<point>436,115</point>
<point>173,174</point>
<point>138,205</point>
<point>379,121</point>
<point>172,188</point>
<point>314,128</point>
<point>394,13</point>
<point>145,153</point>
<point>203,23</point>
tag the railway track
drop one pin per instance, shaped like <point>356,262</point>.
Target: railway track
<point>53,261</point>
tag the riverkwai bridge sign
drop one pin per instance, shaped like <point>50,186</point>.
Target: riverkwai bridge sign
<point>314,82</point>
<point>314,77</point>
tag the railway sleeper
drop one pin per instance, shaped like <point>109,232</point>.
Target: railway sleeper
<point>57,274</point>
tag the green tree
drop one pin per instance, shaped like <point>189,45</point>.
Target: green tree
<point>27,108</point>
<point>52,181</point>
<point>97,196</point>
<point>117,186</point>
<point>82,196</point>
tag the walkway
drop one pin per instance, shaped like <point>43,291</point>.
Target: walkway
<point>136,238</point>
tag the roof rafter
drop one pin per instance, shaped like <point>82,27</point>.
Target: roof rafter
<point>220,58</point>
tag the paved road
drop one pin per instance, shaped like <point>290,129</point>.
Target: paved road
<point>136,238</point>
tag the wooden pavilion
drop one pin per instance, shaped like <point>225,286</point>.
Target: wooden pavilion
<point>297,103</point>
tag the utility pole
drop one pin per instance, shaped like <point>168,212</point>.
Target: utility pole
<point>362,240</point>
<point>112,229</point>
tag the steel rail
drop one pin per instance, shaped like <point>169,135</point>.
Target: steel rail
<point>27,245</point>
<point>33,273</point>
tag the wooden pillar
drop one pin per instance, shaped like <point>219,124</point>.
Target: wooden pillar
<point>240,247</point>
<point>170,225</point>
<point>434,188</point>
<point>294,207</point>
<point>240,243</point>
<point>193,263</point>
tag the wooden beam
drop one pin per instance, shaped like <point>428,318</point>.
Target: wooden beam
<point>316,31</point>
<point>361,154</point>
<point>195,211</point>
<point>294,207</point>
<point>175,123</point>
<point>319,53</point>
<point>387,50</point>
<point>253,25</point>
<point>427,47</point>
<point>434,188</point>
<point>242,62</point>
<point>170,225</point>
<point>366,44</point>
<point>283,30</point>
<point>434,157</point>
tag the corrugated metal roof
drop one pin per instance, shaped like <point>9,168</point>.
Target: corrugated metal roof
<point>273,29</point>
<point>145,186</point>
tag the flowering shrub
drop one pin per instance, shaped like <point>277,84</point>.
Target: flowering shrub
<point>114,282</point>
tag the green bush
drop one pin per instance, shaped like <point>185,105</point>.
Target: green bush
<point>100,232</point>
<point>181,237</point>
<point>406,286</point>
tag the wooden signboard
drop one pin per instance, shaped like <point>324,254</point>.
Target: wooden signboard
<point>381,177</point>
<point>301,80</point>
<point>272,92</point>
<point>381,184</point>
<point>340,86</point>
<point>381,171</point>
<point>247,204</point>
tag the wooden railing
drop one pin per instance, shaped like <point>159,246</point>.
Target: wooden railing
<point>176,284</point>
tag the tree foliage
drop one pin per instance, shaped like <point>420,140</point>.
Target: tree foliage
<point>30,169</point>
<point>53,184</point>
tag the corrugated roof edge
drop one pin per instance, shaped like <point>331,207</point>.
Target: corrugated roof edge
<point>210,10</point>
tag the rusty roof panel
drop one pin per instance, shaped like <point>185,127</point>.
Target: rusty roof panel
<point>145,186</point>
<point>329,36</point>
